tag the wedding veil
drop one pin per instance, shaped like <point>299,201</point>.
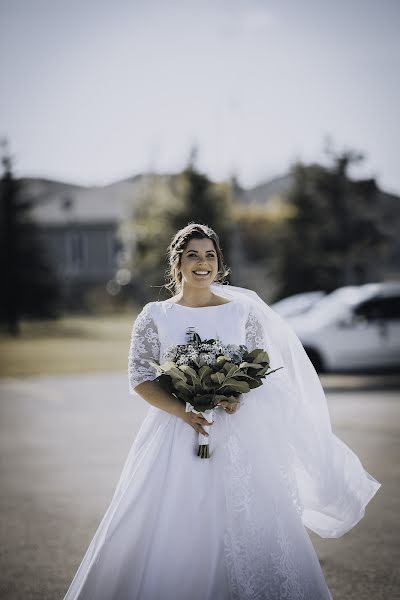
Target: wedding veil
<point>332,485</point>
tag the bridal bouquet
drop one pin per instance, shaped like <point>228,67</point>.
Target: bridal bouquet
<point>205,372</point>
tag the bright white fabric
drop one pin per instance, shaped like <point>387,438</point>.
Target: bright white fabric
<point>230,527</point>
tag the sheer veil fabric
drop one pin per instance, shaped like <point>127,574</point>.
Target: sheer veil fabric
<point>331,486</point>
<point>232,527</point>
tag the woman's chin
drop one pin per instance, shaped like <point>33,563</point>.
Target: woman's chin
<point>198,282</point>
<point>201,278</point>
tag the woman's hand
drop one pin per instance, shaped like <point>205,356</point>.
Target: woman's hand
<point>196,421</point>
<point>230,407</point>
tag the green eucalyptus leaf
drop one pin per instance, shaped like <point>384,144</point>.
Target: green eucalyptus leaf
<point>184,387</point>
<point>221,360</point>
<point>169,364</point>
<point>176,374</point>
<point>238,386</point>
<point>203,401</point>
<point>217,378</point>
<point>165,382</point>
<point>184,395</point>
<point>262,357</point>
<point>188,369</point>
<point>255,383</point>
<point>253,353</point>
<point>242,376</point>
<point>204,371</point>
<point>262,371</point>
<point>220,398</point>
<point>191,372</point>
<point>232,370</point>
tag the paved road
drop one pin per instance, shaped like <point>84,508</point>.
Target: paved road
<point>64,440</point>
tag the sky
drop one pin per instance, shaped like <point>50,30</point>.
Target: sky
<point>94,91</point>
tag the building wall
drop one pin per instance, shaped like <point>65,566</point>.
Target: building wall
<point>84,257</point>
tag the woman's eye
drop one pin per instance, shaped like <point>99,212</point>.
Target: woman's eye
<point>194,256</point>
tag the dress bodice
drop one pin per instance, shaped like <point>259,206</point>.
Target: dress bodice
<point>162,324</point>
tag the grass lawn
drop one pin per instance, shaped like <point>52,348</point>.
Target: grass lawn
<point>69,345</point>
<point>101,343</point>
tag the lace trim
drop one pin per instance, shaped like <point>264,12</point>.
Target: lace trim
<point>254,333</point>
<point>290,583</point>
<point>290,481</point>
<point>144,344</point>
<point>262,561</point>
<point>243,541</point>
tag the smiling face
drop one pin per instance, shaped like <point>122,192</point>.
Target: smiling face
<point>199,263</point>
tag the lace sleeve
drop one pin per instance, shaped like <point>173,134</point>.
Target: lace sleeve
<point>144,344</point>
<point>254,334</point>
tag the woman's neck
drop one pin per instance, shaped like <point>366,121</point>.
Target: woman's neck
<point>196,297</point>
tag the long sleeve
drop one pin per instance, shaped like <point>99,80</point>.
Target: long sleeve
<point>144,345</point>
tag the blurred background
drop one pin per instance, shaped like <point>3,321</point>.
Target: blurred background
<point>275,123</point>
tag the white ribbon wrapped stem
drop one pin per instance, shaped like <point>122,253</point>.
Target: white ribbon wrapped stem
<point>208,415</point>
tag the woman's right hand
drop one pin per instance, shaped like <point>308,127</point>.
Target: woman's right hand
<point>196,421</point>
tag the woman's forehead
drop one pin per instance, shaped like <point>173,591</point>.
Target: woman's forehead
<point>203,244</point>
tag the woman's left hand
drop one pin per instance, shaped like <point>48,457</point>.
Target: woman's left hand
<point>230,407</point>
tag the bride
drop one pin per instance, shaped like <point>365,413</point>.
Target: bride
<point>233,526</point>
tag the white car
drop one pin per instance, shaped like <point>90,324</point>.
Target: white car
<point>297,304</point>
<point>353,328</point>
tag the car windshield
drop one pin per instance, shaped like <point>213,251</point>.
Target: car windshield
<point>297,304</point>
<point>339,302</point>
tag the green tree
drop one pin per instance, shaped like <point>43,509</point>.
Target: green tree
<point>169,203</point>
<point>334,230</point>
<point>29,285</point>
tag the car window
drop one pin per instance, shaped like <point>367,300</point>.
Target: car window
<point>380,308</point>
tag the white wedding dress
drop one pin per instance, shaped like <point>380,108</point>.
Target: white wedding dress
<point>230,527</point>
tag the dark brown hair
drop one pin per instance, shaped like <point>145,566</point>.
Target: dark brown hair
<point>178,244</point>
